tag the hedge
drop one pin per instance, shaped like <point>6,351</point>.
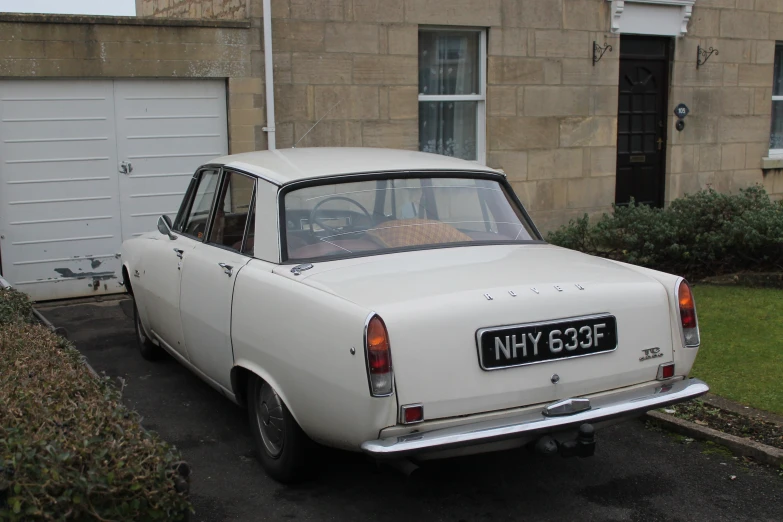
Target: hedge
<point>69,449</point>
<point>700,235</point>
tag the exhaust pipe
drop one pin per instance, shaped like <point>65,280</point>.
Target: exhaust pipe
<point>583,446</point>
<point>404,466</point>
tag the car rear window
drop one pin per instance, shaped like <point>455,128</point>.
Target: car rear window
<point>372,216</point>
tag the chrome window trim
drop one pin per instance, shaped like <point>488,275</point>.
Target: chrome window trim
<point>208,225</point>
<point>250,212</point>
<point>542,323</point>
<point>213,208</point>
<point>215,203</point>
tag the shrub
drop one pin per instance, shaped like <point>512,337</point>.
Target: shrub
<point>699,235</point>
<point>69,449</point>
<point>15,307</point>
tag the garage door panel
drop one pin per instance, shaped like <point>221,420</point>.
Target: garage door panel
<point>66,278</point>
<point>58,172</point>
<point>25,116</point>
<point>46,231</point>
<point>65,178</point>
<point>51,139</point>
<point>166,130</point>
<point>45,192</point>
<point>64,207</point>
<point>161,128</point>
<point>163,145</point>
<point>70,221</point>
<point>91,148</point>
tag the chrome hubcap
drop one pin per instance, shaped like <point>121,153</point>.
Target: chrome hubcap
<point>269,415</point>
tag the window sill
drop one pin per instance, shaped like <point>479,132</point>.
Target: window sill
<point>772,163</point>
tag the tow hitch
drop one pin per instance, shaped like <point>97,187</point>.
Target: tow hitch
<point>583,446</point>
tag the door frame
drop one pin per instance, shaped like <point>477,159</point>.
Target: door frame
<point>667,75</point>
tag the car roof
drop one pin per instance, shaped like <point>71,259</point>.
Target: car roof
<point>283,166</point>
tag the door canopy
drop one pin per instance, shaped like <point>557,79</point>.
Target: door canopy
<point>653,17</point>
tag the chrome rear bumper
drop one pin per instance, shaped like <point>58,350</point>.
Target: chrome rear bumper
<point>623,403</point>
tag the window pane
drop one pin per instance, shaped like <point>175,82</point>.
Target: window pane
<point>196,222</point>
<point>349,218</point>
<point>228,227</point>
<point>778,84</point>
<point>448,128</point>
<point>776,142</point>
<point>449,62</point>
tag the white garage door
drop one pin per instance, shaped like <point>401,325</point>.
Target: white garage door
<point>65,205</point>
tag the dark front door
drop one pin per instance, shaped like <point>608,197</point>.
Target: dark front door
<point>642,117</point>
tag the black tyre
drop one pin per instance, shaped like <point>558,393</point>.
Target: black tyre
<point>148,350</point>
<point>283,447</point>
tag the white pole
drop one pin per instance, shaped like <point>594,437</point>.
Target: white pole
<point>268,69</point>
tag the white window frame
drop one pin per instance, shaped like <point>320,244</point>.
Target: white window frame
<point>480,98</point>
<point>776,152</point>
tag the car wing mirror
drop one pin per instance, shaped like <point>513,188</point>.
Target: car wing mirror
<point>164,226</point>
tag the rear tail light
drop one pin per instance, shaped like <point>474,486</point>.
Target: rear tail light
<point>412,413</point>
<point>665,371</point>
<point>688,320</point>
<point>378,353</point>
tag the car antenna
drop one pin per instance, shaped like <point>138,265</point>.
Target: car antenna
<point>319,121</point>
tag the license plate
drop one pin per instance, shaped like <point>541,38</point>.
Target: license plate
<point>521,344</point>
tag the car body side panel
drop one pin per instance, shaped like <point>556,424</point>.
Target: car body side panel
<point>135,258</point>
<point>303,337</point>
<point>684,356</point>
<point>267,237</point>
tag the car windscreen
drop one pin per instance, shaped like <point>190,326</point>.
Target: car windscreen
<point>379,215</point>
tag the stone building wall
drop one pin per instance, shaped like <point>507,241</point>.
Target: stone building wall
<point>551,114</point>
<point>53,46</point>
<point>194,9</point>
<point>727,133</point>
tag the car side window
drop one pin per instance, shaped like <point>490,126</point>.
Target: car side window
<point>231,213</point>
<point>185,205</point>
<point>195,219</point>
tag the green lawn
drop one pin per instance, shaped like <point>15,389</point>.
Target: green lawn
<point>741,355</point>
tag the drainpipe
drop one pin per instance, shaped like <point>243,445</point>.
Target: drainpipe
<point>270,86</point>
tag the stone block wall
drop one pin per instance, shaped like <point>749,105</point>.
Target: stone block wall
<point>727,132</point>
<point>194,9</point>
<point>54,46</point>
<point>551,115</point>
<point>351,64</point>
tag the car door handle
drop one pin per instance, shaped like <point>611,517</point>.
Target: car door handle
<point>228,269</point>
<point>179,252</point>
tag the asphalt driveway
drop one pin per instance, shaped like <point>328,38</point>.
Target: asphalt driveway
<point>637,473</point>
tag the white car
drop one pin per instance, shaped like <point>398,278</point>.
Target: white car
<point>401,304</point>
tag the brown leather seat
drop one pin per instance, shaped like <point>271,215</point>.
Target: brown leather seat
<point>343,246</point>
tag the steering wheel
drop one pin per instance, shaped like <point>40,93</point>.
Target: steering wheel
<point>314,218</point>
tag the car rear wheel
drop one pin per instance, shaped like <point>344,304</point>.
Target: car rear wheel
<point>282,445</point>
<point>148,350</point>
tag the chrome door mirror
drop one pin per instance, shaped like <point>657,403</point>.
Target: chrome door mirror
<point>164,226</point>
